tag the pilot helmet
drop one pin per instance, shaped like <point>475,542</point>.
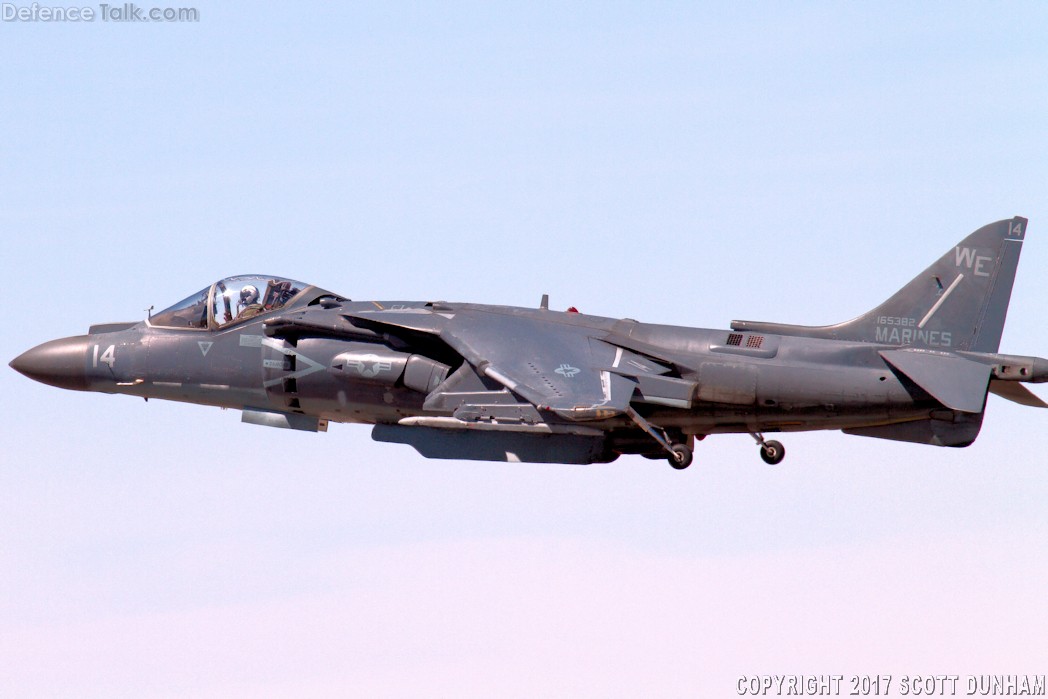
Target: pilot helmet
<point>248,295</point>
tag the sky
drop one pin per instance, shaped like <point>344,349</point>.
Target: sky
<point>683,163</point>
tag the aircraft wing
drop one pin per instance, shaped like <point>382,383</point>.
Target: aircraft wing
<point>560,367</point>
<point>555,367</point>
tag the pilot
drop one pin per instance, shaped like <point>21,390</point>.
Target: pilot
<point>249,305</point>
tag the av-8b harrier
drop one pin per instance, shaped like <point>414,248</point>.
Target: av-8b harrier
<point>498,383</point>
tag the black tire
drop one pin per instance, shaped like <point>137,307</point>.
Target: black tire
<point>681,457</point>
<point>773,452</point>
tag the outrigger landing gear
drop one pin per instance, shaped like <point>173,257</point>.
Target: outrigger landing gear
<point>771,451</point>
<point>679,455</point>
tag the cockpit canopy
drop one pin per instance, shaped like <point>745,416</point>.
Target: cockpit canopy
<point>229,301</point>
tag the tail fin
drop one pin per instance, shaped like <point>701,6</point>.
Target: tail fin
<point>960,302</point>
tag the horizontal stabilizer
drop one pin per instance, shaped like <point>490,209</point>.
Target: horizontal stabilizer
<point>1017,393</point>
<point>957,383</point>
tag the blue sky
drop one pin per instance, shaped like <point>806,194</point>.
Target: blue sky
<point>673,163</point>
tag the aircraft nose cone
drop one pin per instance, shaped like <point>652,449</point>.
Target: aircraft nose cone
<point>61,363</point>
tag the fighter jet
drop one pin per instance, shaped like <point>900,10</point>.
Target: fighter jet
<point>500,383</point>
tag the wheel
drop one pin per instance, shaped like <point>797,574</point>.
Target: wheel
<point>773,452</point>
<point>681,457</point>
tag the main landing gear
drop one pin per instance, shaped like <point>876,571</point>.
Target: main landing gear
<point>771,451</point>
<point>679,455</point>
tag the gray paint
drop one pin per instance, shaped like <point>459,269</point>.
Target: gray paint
<point>472,381</point>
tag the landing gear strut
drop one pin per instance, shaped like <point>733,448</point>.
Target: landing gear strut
<point>771,451</point>
<point>679,455</point>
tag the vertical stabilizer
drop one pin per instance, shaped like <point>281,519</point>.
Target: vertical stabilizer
<point>960,302</point>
